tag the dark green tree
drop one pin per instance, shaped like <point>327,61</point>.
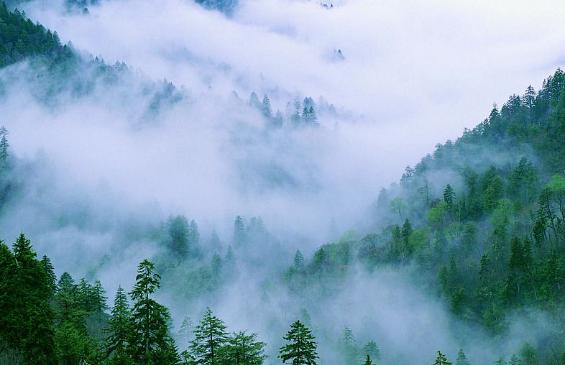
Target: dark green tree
<point>441,359</point>
<point>449,196</point>
<point>31,310</point>
<point>243,349</point>
<point>150,343</point>
<point>301,346</point>
<point>119,331</point>
<point>210,337</point>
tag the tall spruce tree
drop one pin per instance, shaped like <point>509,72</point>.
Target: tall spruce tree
<point>31,310</point>
<point>441,359</point>
<point>461,358</point>
<point>372,349</point>
<point>243,349</point>
<point>210,337</point>
<point>301,346</point>
<point>151,343</point>
<point>349,348</point>
<point>119,331</point>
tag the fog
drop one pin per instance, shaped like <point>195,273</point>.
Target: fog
<point>413,74</point>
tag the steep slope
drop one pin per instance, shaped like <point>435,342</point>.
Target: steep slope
<point>21,38</point>
<point>480,222</point>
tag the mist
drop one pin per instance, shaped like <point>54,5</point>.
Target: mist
<point>389,82</point>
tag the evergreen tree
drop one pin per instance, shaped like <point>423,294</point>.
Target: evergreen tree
<point>371,349</point>
<point>298,260</point>
<point>301,346</point>
<point>461,358</point>
<point>193,237</point>
<point>368,361</point>
<point>210,337</point>
<point>119,331</point>
<point>449,196</point>
<point>514,360</point>
<point>150,341</point>
<point>179,236</point>
<point>4,145</point>
<point>296,117</point>
<point>349,347</point>
<point>32,308</point>
<point>7,292</point>
<point>51,278</point>
<point>254,100</point>
<point>266,107</point>
<point>441,359</point>
<point>239,232</point>
<point>243,349</point>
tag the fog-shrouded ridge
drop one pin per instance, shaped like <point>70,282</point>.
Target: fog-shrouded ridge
<point>102,171</point>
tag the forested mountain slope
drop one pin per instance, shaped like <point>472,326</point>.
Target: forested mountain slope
<point>481,220</point>
<point>21,38</point>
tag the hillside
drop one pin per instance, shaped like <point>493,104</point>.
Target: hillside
<point>490,239</point>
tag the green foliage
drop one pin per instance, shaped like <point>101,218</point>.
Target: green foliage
<point>210,337</point>
<point>300,348</point>
<point>21,38</point>
<point>441,359</point>
<point>119,331</point>
<point>150,340</point>
<point>27,317</point>
<point>349,348</point>
<point>243,349</point>
<point>490,237</point>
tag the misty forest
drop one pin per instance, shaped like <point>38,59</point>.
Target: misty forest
<point>226,182</point>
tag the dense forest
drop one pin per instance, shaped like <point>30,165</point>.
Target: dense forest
<point>479,224</point>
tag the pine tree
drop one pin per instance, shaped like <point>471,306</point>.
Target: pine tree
<point>295,116</point>
<point>178,230</point>
<point>298,260</point>
<point>243,349</point>
<point>193,237</point>
<point>210,337</point>
<point>51,278</point>
<point>254,100</point>
<point>119,331</point>
<point>7,295</point>
<point>368,361</point>
<point>514,360</point>
<point>371,349</point>
<point>239,234</point>
<point>4,145</point>
<point>308,112</point>
<point>441,359</point>
<point>150,340</point>
<point>349,347</point>
<point>449,196</point>
<point>266,107</point>
<point>461,358</point>
<point>301,346</point>
<point>98,297</point>
<point>31,310</point>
